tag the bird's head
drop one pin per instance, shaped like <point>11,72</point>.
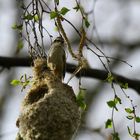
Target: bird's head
<point>59,40</point>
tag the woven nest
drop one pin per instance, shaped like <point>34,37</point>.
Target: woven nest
<point>49,110</point>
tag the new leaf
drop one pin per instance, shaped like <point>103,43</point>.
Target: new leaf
<point>64,10</point>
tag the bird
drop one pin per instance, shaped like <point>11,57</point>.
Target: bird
<point>56,59</point>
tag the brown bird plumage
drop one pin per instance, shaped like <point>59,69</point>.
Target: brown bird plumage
<point>56,60</point>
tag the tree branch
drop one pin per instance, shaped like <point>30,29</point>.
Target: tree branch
<point>113,42</point>
<point>8,62</point>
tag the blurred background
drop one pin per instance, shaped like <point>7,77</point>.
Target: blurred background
<point>115,28</point>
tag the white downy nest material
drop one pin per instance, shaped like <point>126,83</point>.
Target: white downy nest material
<point>49,110</point>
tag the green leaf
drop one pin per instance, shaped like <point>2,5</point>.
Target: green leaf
<point>82,105</point>
<point>136,135</point>
<point>137,119</point>
<point>28,17</point>
<point>112,104</point>
<point>22,6</point>
<point>81,99</point>
<point>64,10</point>
<point>129,131</point>
<point>116,136</point>
<point>76,8</point>
<point>124,85</point>
<point>130,117</point>
<point>17,27</point>
<point>19,46</point>
<point>110,78</point>
<point>53,14</point>
<point>108,123</point>
<point>87,24</point>
<point>36,17</point>
<point>129,110</point>
<point>57,2</point>
<point>15,82</point>
<point>25,84</point>
<point>117,100</point>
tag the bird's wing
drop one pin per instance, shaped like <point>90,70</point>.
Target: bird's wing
<point>64,64</point>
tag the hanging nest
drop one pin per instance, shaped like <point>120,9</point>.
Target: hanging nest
<point>49,110</point>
